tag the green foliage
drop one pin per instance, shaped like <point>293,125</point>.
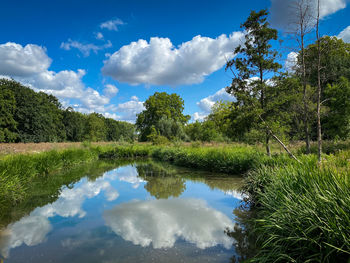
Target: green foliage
<point>28,116</point>
<point>164,113</point>
<point>8,132</point>
<point>75,125</point>
<point>255,59</point>
<point>235,160</point>
<point>335,61</point>
<point>336,121</point>
<point>304,214</point>
<point>95,129</point>
<point>18,171</point>
<point>205,131</point>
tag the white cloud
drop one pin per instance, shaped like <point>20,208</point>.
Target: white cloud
<point>29,65</point>
<point>284,13</point>
<point>110,90</point>
<point>129,109</point>
<point>85,49</point>
<point>199,116</point>
<point>16,60</point>
<point>162,222</point>
<point>291,61</point>
<point>345,35</point>
<point>207,103</point>
<point>112,24</point>
<point>99,35</point>
<point>158,62</point>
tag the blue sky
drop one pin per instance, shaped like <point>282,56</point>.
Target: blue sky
<point>109,56</point>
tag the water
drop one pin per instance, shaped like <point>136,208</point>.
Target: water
<point>138,212</point>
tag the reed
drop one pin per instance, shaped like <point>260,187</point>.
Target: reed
<point>303,212</point>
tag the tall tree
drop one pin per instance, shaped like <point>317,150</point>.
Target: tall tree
<point>158,107</point>
<point>301,25</point>
<point>254,63</point>
<point>319,131</point>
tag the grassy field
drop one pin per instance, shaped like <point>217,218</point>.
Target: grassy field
<point>15,148</point>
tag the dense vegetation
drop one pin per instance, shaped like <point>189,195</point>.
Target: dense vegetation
<point>28,116</point>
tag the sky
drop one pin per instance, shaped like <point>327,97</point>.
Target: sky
<point>109,56</point>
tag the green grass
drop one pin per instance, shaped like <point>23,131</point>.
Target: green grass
<point>303,211</point>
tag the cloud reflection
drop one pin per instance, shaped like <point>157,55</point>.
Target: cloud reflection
<point>32,230</point>
<point>162,222</point>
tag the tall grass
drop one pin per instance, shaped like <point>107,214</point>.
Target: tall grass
<point>303,212</point>
<point>18,171</point>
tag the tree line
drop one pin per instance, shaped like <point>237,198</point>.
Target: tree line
<point>29,116</point>
<point>270,103</point>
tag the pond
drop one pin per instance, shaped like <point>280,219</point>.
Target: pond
<point>143,211</point>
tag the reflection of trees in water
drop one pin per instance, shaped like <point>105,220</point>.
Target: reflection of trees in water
<point>223,183</point>
<point>161,181</point>
<point>165,187</point>
<point>173,178</point>
<point>243,234</point>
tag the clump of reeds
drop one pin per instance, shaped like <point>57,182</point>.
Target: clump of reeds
<point>303,212</point>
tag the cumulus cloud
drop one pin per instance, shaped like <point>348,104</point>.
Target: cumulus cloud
<point>162,222</point>
<point>129,109</point>
<point>345,35</point>
<point>16,60</point>
<point>207,103</point>
<point>158,62</point>
<point>85,49</point>
<point>112,24</point>
<point>29,65</point>
<point>291,61</point>
<point>110,90</point>
<point>284,13</point>
<point>197,116</point>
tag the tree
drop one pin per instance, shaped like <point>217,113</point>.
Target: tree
<point>301,25</point>
<point>335,61</point>
<point>319,87</point>
<point>75,125</point>
<point>159,106</point>
<point>8,126</point>
<point>220,116</point>
<point>336,122</point>
<point>254,62</point>
<point>96,128</point>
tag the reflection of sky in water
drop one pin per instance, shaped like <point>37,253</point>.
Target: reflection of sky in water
<point>130,214</point>
<point>161,222</point>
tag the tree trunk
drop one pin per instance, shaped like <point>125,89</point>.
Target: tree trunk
<point>306,119</point>
<point>319,132</point>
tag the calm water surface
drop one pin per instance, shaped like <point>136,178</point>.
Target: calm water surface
<point>139,212</point>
